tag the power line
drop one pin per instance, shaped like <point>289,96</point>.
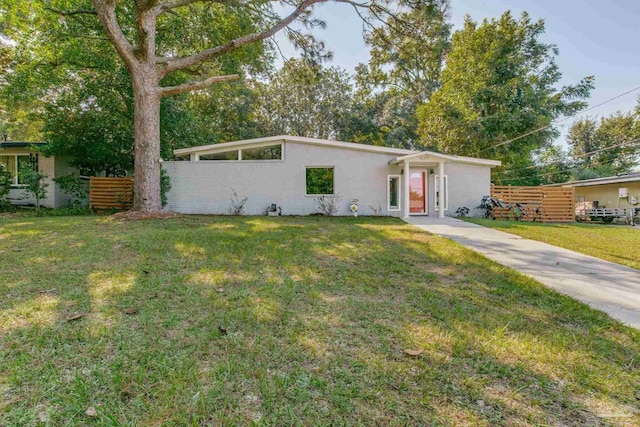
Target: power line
<point>559,161</point>
<point>542,174</point>
<point>578,156</point>
<point>558,121</point>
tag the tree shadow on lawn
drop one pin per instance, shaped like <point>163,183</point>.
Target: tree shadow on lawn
<point>318,313</point>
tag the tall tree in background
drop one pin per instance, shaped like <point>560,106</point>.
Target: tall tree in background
<point>304,99</point>
<point>161,43</point>
<point>499,82</point>
<point>15,120</point>
<point>403,71</point>
<point>614,142</point>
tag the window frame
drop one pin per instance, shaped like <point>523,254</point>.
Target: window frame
<point>436,181</point>
<point>389,207</point>
<point>239,151</point>
<point>15,178</point>
<point>333,184</point>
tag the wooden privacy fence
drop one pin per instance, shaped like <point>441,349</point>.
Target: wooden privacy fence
<point>110,193</point>
<point>542,204</point>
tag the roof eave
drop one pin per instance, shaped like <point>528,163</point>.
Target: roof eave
<point>447,157</point>
<point>287,138</point>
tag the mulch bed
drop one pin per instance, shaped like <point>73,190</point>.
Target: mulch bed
<point>139,216</point>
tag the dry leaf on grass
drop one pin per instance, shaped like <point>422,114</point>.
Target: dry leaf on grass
<point>221,290</point>
<point>91,412</point>
<point>75,316</point>
<point>413,352</point>
<point>130,310</point>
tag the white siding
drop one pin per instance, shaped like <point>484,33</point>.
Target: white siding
<point>205,187</point>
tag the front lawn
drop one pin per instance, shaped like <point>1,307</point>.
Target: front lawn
<point>614,243</point>
<point>318,313</point>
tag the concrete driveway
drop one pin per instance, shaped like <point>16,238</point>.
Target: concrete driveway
<point>604,285</point>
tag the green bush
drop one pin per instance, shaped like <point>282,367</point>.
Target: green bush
<point>33,182</point>
<point>6,180</point>
<point>72,185</point>
<point>165,186</point>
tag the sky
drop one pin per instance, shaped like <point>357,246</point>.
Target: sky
<point>594,37</point>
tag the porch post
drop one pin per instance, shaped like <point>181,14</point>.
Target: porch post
<point>405,189</point>
<point>441,192</point>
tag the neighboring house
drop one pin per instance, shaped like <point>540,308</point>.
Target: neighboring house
<point>621,191</point>
<point>13,154</point>
<point>292,172</point>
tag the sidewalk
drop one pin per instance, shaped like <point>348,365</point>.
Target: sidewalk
<point>604,285</point>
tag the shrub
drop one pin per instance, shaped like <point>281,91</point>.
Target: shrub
<point>165,186</point>
<point>328,205</point>
<point>6,180</point>
<point>237,204</point>
<point>33,182</point>
<point>73,186</point>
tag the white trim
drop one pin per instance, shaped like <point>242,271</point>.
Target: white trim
<point>319,167</point>
<point>198,156</point>
<point>436,157</point>
<point>425,174</point>
<point>16,184</point>
<point>406,189</point>
<point>399,207</point>
<point>286,138</point>
<point>446,192</point>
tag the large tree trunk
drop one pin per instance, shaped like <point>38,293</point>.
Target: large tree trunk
<point>146,98</point>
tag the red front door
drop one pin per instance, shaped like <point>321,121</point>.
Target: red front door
<point>417,193</point>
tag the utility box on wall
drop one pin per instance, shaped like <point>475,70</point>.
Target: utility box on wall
<point>623,193</point>
<point>633,200</point>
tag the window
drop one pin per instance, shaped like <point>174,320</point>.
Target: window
<point>393,192</point>
<point>272,152</point>
<point>436,186</point>
<point>581,198</point>
<point>225,155</point>
<point>319,181</point>
<point>13,163</point>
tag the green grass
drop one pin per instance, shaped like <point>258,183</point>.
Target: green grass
<point>614,243</point>
<point>318,313</point>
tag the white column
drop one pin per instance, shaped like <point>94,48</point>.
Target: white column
<point>405,189</point>
<point>441,192</point>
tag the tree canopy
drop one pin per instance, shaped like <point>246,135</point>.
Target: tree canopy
<point>304,99</point>
<point>499,82</point>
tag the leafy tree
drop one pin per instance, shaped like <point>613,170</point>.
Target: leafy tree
<point>304,99</point>
<point>555,165</point>
<point>499,83</point>
<point>621,131</point>
<point>32,182</point>
<point>169,47</point>
<point>16,120</point>
<point>404,70</point>
<point>6,181</point>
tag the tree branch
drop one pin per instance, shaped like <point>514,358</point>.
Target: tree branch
<point>173,64</point>
<point>71,12</point>
<point>106,11</point>
<point>166,7</point>
<point>197,85</point>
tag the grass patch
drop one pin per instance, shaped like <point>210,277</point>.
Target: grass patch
<point>318,312</point>
<point>619,244</point>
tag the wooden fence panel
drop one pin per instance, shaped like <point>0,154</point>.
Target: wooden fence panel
<point>110,193</point>
<point>542,204</point>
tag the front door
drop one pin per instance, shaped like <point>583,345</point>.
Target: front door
<point>417,193</point>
